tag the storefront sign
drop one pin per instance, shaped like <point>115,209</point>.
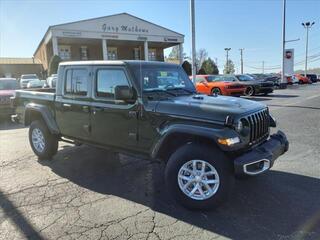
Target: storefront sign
<point>124,28</point>
<point>109,36</point>
<point>166,39</point>
<point>71,34</point>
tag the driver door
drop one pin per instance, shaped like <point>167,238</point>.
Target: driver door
<point>114,122</point>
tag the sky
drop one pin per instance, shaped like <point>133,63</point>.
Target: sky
<point>255,25</point>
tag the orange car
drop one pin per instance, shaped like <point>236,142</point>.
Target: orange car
<point>218,84</point>
<point>302,79</point>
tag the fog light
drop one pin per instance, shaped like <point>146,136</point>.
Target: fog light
<point>229,141</point>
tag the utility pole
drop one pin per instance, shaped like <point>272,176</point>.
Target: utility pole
<point>283,79</point>
<point>193,40</point>
<point>227,63</point>
<point>307,26</point>
<point>262,66</point>
<point>241,59</point>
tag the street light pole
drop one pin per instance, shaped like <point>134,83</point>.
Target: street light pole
<point>241,59</point>
<point>283,79</point>
<point>193,40</point>
<point>227,63</point>
<point>307,26</point>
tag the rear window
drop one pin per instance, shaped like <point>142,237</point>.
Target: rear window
<point>76,82</point>
<point>29,76</point>
<point>8,85</point>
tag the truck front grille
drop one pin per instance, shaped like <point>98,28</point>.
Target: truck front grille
<point>259,126</point>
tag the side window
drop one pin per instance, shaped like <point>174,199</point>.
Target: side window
<point>199,79</point>
<point>80,82</point>
<point>68,82</point>
<point>76,82</point>
<point>107,80</point>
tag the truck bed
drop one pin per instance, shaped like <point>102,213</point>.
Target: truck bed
<point>47,94</point>
<point>42,96</point>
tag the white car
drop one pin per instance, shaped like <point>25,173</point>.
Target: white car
<point>35,84</point>
<point>26,78</point>
<point>294,80</point>
<point>51,81</point>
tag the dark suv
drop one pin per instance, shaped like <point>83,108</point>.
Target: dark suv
<point>312,77</point>
<point>151,109</point>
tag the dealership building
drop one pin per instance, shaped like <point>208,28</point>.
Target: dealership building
<point>115,37</point>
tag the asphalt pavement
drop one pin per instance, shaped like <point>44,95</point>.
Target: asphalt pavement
<point>88,193</point>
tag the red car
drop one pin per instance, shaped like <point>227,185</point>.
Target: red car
<point>302,79</point>
<point>7,90</point>
<point>218,84</point>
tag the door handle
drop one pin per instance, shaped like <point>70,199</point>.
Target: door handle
<point>97,109</point>
<point>66,105</point>
<point>85,108</point>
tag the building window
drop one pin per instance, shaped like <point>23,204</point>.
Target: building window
<point>136,54</point>
<point>108,79</point>
<point>64,52</point>
<point>152,54</point>
<point>112,53</point>
<point>84,53</point>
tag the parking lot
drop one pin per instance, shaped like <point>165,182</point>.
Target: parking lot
<point>88,193</point>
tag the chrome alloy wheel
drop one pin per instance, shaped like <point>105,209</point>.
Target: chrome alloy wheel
<point>198,179</point>
<point>38,140</point>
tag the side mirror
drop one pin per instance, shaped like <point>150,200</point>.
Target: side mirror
<point>124,93</point>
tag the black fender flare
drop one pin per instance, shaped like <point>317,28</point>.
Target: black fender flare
<point>194,131</point>
<point>46,114</point>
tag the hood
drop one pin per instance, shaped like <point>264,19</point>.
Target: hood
<point>212,108</point>
<point>7,92</point>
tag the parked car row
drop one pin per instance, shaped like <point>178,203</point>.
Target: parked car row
<point>234,85</point>
<point>246,84</point>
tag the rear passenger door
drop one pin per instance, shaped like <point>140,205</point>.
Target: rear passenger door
<point>73,105</point>
<point>114,122</point>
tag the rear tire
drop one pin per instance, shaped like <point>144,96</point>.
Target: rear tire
<point>207,194</point>
<point>43,143</point>
<point>300,82</point>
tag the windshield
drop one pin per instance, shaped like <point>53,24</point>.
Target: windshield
<point>163,78</point>
<point>29,76</point>
<point>8,85</point>
<point>244,78</point>
<point>219,78</point>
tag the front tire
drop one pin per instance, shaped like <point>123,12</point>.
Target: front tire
<point>249,91</point>
<point>199,177</point>
<point>43,143</point>
<point>216,91</point>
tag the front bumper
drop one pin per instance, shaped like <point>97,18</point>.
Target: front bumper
<point>265,90</point>
<point>261,158</point>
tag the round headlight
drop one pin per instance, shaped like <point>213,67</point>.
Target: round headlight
<point>242,127</point>
<point>239,126</point>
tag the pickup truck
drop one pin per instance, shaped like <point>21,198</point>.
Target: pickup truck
<point>151,109</point>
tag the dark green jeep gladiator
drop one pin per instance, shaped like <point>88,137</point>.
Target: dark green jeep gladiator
<point>151,109</point>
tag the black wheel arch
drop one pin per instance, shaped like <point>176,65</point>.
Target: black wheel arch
<point>40,112</point>
<point>178,135</point>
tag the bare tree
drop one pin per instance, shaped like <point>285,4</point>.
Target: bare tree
<point>202,55</point>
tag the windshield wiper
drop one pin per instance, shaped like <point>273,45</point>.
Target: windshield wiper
<point>161,91</point>
<point>183,89</point>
